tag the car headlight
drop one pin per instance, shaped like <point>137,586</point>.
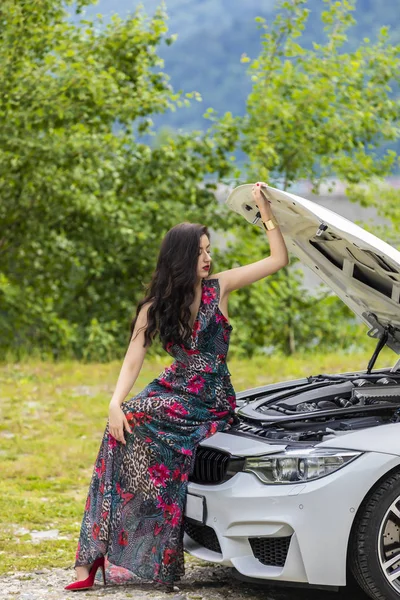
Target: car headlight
<point>297,466</point>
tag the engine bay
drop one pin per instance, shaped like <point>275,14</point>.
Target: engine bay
<point>324,407</point>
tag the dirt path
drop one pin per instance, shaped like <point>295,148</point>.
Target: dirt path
<point>201,582</point>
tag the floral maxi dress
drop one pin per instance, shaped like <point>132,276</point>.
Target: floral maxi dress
<point>137,494</point>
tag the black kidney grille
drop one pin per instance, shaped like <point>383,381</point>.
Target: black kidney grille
<point>271,551</point>
<point>210,466</point>
<point>203,535</point>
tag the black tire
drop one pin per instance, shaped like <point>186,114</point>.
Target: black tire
<point>373,525</point>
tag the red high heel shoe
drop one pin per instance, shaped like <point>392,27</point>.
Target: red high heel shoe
<point>87,583</point>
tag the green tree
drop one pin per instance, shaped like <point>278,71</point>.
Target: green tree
<point>321,112</point>
<point>316,113</point>
<point>84,203</point>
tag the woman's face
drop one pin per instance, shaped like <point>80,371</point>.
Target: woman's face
<point>204,262</point>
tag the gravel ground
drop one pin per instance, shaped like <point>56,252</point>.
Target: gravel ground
<point>201,582</point>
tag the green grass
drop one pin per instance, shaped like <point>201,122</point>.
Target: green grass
<point>52,417</point>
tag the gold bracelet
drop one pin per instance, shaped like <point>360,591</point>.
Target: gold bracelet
<point>270,224</point>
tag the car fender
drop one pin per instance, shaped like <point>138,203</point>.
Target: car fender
<point>383,438</point>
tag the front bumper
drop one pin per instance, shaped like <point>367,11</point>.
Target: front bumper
<point>314,518</point>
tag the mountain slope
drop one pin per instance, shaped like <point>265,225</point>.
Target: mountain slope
<point>213,34</point>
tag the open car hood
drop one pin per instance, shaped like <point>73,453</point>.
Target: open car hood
<point>363,270</point>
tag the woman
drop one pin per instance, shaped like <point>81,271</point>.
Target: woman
<point>134,508</point>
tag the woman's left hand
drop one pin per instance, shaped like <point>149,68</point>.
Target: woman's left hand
<point>259,198</point>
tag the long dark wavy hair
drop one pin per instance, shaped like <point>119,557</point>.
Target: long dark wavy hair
<point>171,290</point>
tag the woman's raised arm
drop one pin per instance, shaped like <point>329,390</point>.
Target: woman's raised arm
<point>238,277</point>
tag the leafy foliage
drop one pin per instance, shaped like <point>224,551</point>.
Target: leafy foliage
<point>320,112</point>
<point>316,113</point>
<point>84,204</point>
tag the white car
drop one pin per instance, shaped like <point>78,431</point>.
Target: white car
<point>306,489</point>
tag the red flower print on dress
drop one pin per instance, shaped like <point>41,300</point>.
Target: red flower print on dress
<point>102,488</point>
<point>174,513</point>
<point>219,413</point>
<point>129,418</point>
<point>195,384</point>
<point>176,410</point>
<point>208,369</point>
<point>213,428</point>
<point>95,531</point>
<point>123,538</point>
<point>77,551</point>
<point>196,326</point>
<point>192,351</point>
<point>232,401</point>
<point>169,556</point>
<point>176,474</point>
<point>157,529</point>
<point>209,294</point>
<point>138,418</point>
<point>125,496</point>
<point>225,334</point>
<point>186,451</point>
<point>160,502</point>
<point>159,474</point>
<point>165,383</point>
<point>171,512</point>
<point>168,346</point>
<point>87,505</point>
<point>112,442</point>
<point>100,470</point>
<point>220,318</point>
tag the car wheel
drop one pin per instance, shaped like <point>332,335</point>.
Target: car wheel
<point>374,549</point>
